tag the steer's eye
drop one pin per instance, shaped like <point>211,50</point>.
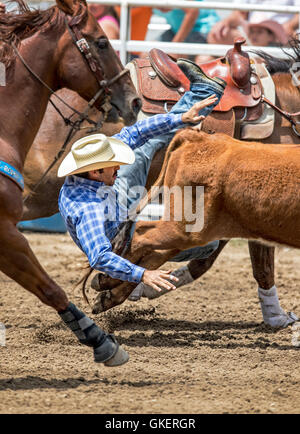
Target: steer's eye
<point>102,43</point>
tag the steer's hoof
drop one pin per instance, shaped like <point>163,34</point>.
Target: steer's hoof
<point>95,284</point>
<point>100,302</point>
<point>152,293</point>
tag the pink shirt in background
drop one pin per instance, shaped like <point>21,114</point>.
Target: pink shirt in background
<point>108,18</point>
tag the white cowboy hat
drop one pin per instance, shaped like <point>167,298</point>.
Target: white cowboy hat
<point>95,152</point>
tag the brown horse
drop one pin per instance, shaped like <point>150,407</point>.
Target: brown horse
<point>40,52</point>
<point>251,191</point>
<point>47,143</point>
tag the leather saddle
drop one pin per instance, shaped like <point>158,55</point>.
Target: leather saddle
<point>161,83</point>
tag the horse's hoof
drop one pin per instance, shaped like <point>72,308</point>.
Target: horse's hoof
<point>120,358</point>
<point>110,353</point>
<point>282,321</point>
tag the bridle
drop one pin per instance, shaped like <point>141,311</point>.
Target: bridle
<point>104,88</point>
<point>96,68</point>
<point>288,116</point>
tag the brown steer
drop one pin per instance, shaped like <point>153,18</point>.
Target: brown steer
<point>251,191</point>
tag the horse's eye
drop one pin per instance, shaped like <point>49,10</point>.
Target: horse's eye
<point>102,43</point>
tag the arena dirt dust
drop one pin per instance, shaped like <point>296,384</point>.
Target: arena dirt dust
<point>200,349</point>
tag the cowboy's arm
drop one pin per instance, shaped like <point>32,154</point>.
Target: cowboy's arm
<point>97,247</point>
<point>138,134</point>
<point>115,266</point>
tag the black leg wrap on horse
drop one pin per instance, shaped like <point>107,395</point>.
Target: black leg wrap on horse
<point>88,333</point>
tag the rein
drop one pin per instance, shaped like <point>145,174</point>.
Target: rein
<point>286,115</point>
<point>52,92</point>
<point>104,87</point>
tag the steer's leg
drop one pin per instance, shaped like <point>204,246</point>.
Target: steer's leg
<point>197,267</point>
<point>262,258</point>
<point>162,237</point>
<point>107,299</point>
<point>185,275</point>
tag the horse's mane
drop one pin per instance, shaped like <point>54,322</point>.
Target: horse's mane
<point>24,22</point>
<point>274,64</point>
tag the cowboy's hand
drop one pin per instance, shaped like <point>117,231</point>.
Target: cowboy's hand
<point>192,115</point>
<point>159,279</point>
<point>2,8</point>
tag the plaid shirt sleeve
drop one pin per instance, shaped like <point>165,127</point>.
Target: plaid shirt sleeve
<point>95,244</point>
<point>138,134</point>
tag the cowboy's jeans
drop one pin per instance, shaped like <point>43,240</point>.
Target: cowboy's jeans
<point>131,176</point>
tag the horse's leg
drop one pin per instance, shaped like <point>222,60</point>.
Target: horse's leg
<point>262,258</point>
<point>18,262</point>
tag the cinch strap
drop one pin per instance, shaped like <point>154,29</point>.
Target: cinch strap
<point>8,170</point>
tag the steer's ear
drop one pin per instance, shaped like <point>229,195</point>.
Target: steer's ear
<point>70,7</point>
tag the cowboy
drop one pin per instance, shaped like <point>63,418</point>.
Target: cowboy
<point>101,169</point>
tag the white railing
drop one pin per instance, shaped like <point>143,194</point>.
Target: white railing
<point>123,45</point>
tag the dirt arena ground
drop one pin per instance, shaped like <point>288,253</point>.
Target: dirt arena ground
<point>201,349</point>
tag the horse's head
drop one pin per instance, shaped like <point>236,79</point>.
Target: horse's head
<point>88,63</point>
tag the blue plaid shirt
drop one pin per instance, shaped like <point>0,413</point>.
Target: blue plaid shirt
<point>92,213</point>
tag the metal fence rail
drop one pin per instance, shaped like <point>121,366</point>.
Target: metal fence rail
<point>124,45</point>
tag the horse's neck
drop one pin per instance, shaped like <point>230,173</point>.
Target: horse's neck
<point>24,99</point>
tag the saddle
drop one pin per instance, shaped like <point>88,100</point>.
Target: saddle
<point>161,83</point>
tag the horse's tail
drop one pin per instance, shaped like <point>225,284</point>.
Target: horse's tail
<point>175,144</point>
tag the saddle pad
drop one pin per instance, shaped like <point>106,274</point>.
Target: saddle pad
<point>263,127</point>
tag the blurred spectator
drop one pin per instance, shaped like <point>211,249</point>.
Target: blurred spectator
<point>188,25</point>
<point>225,31</point>
<point>266,33</point>
<point>107,18</point>
<point>2,8</point>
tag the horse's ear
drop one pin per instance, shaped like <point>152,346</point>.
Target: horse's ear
<point>70,7</point>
